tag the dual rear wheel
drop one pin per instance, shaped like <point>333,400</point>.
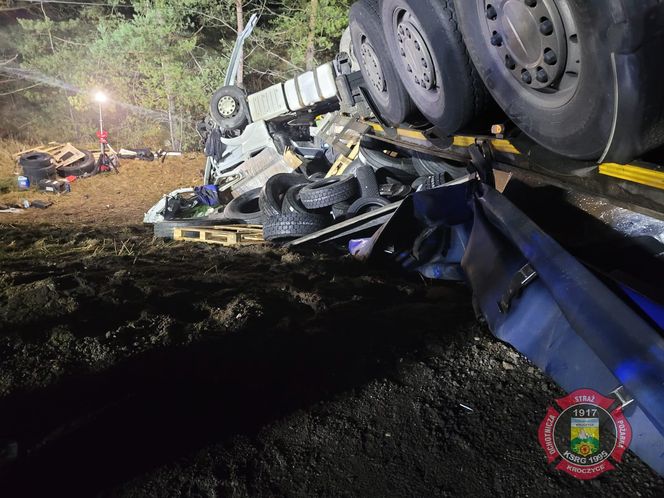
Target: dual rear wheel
<point>546,63</point>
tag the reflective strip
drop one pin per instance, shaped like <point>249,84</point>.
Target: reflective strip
<point>504,146</point>
<point>461,141</point>
<point>635,174</point>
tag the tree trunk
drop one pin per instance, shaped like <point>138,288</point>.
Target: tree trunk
<point>310,54</point>
<point>171,125</point>
<point>240,27</point>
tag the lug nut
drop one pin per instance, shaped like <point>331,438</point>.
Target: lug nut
<point>491,13</point>
<point>546,27</point>
<point>542,77</point>
<point>509,63</point>
<point>526,77</point>
<point>550,57</point>
<point>531,3</point>
<point>496,39</point>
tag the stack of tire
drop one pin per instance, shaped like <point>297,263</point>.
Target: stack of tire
<point>37,166</point>
<point>292,206</point>
<point>412,169</point>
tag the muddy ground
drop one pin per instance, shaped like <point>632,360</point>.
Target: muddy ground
<point>133,368</point>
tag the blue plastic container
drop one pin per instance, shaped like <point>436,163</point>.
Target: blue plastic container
<point>23,183</point>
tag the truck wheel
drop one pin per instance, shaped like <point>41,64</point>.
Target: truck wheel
<point>548,65</point>
<point>228,107</point>
<point>430,58</point>
<point>380,77</point>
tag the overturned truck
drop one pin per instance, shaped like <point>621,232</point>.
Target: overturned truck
<point>514,145</point>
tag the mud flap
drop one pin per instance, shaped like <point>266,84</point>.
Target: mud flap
<point>566,321</point>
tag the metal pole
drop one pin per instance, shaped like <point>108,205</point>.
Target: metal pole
<point>101,129</point>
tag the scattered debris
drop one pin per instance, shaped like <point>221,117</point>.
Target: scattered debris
<point>41,204</point>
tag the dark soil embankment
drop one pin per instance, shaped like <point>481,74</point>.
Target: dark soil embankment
<point>133,368</point>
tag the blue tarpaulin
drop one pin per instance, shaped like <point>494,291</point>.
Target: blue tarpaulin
<point>567,322</point>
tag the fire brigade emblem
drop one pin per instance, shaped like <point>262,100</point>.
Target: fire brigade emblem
<point>585,433</point>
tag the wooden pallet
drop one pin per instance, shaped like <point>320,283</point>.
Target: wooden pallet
<point>63,154</point>
<point>48,149</point>
<point>67,155</point>
<point>229,235</point>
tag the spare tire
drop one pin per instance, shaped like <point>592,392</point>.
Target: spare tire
<point>35,174</point>
<point>292,202</point>
<point>292,226</point>
<point>328,192</point>
<point>79,168</point>
<point>228,107</point>
<point>381,80</point>
<point>245,208</point>
<point>272,195</point>
<point>35,160</point>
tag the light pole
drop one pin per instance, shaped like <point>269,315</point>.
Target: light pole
<point>100,98</point>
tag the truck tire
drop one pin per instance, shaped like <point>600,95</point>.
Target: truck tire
<point>292,226</point>
<point>328,192</point>
<point>271,198</point>
<point>245,208</point>
<point>35,173</point>
<point>431,60</point>
<point>381,79</point>
<point>366,204</point>
<point>80,167</point>
<point>551,71</point>
<point>292,202</point>
<point>35,160</point>
<point>378,159</point>
<point>228,108</point>
<point>427,165</point>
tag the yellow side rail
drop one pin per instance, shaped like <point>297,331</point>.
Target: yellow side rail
<point>629,172</point>
<point>633,173</point>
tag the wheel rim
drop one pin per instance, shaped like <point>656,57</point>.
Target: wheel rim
<point>372,66</point>
<point>415,54</point>
<point>536,41</point>
<point>227,106</point>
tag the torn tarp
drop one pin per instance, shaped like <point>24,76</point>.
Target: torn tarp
<point>536,296</point>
